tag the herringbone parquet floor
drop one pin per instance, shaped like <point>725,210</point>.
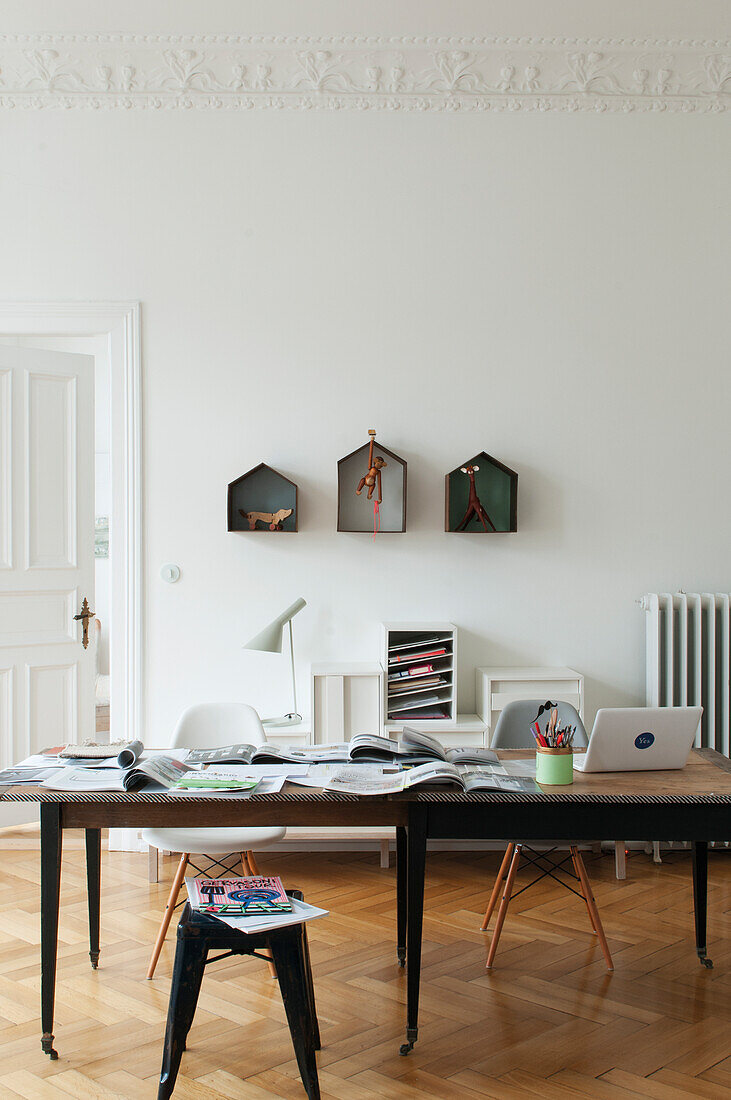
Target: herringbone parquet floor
<point>548,1022</point>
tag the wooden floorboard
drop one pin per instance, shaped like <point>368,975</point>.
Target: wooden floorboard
<point>548,1021</point>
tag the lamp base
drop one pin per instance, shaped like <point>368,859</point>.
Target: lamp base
<point>285,720</point>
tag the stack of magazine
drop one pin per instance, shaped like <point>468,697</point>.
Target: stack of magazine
<point>254,904</point>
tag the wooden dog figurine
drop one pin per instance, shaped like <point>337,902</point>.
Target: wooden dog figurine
<point>373,477</point>
<point>273,519</point>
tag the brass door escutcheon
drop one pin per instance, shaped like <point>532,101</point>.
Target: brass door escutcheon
<point>84,615</point>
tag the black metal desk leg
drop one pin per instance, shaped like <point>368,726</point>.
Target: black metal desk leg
<point>700,898</point>
<point>93,889</point>
<point>416,867</point>
<point>401,906</point>
<point>51,837</point>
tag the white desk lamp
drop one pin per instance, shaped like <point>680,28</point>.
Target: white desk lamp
<point>269,640</point>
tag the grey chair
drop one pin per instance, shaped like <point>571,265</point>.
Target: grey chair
<point>513,731</point>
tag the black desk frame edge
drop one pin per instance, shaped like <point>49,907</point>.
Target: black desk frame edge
<point>424,820</point>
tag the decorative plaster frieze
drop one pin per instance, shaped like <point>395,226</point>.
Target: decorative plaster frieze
<point>222,72</point>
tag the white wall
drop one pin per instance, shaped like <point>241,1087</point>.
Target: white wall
<point>551,288</point>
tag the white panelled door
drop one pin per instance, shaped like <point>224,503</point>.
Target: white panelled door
<point>46,549</point>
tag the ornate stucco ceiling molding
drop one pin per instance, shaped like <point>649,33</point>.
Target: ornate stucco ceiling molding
<point>226,72</point>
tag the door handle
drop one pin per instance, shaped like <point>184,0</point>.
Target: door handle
<point>84,615</point>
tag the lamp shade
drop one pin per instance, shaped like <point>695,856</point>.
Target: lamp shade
<point>269,640</point>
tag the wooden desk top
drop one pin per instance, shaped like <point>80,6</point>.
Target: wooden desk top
<point>706,778</point>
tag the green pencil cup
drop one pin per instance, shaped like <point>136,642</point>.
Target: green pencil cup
<point>554,767</point>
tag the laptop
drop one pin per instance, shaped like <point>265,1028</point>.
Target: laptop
<point>632,739</point>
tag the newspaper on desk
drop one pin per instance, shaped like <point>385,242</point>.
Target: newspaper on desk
<point>525,768</point>
<point>22,775</point>
<point>468,778</point>
<point>319,775</point>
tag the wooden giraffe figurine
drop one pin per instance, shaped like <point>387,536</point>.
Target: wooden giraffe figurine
<point>474,507</point>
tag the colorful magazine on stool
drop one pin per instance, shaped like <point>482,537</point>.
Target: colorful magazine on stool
<point>246,897</point>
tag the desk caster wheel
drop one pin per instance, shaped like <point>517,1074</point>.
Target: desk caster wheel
<point>47,1047</point>
<point>708,963</point>
<point>411,1037</point>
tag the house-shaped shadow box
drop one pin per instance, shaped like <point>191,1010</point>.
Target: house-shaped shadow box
<point>481,497</point>
<point>355,512</point>
<point>262,500</point>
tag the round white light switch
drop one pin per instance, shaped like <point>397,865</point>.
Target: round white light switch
<point>170,573</point>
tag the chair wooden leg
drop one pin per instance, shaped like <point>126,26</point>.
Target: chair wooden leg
<point>168,914</point>
<point>249,866</point>
<point>593,911</point>
<point>503,910</point>
<point>252,863</point>
<point>498,883</point>
<point>574,859</point>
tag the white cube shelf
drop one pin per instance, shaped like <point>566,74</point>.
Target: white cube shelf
<point>346,699</point>
<point>496,686</point>
<point>426,697</point>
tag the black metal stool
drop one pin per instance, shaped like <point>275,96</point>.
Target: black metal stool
<point>199,933</point>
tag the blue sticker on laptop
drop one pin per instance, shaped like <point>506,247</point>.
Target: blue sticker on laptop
<point>644,740</point>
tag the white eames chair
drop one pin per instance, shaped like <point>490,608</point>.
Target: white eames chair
<point>208,726</point>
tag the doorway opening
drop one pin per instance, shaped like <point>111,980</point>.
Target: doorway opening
<point>110,333</point>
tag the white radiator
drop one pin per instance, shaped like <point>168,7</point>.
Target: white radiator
<point>687,637</point>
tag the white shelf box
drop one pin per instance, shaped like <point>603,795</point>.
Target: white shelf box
<point>346,699</point>
<point>496,686</point>
<point>467,729</point>
<point>420,682</point>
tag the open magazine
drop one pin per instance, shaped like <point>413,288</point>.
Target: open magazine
<point>425,743</point>
<point>468,779</point>
<point>411,747</point>
<point>269,754</point>
<point>161,769</point>
<point>414,747</point>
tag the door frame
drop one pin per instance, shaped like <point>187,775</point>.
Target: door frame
<point>120,323</point>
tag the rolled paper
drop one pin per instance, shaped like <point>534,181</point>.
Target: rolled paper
<point>130,754</point>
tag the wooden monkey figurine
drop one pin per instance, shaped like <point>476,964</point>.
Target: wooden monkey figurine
<point>474,507</point>
<point>373,478</point>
